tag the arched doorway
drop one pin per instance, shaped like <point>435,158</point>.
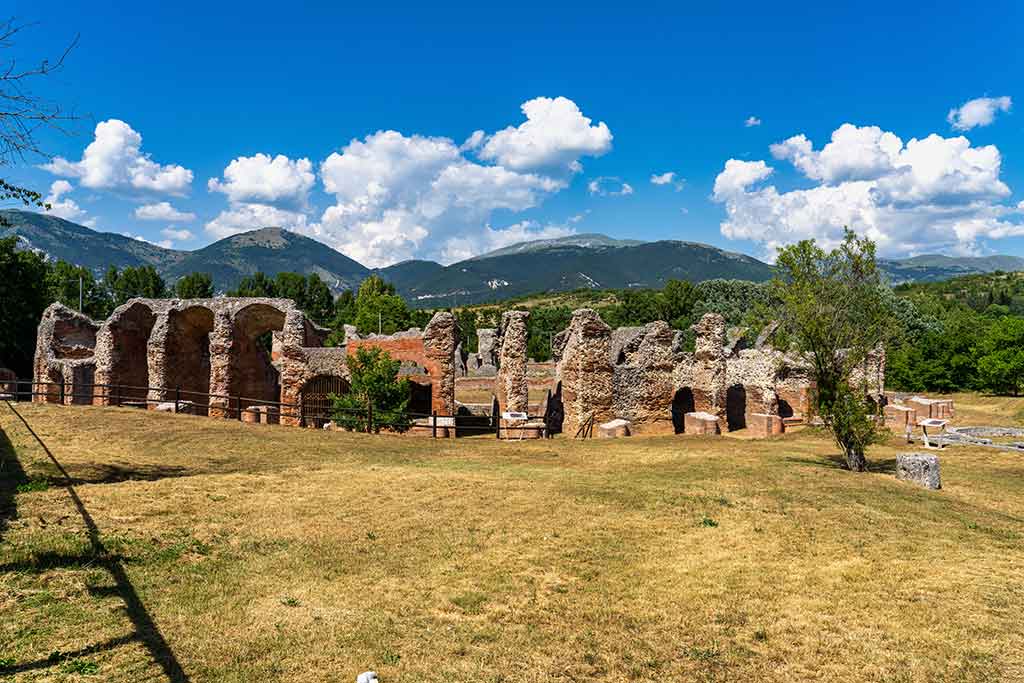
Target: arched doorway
<point>316,401</point>
<point>785,409</point>
<point>682,403</point>
<point>129,333</point>
<point>736,407</point>
<point>188,354</point>
<point>420,398</point>
<point>253,374</point>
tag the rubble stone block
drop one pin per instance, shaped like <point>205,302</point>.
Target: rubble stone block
<point>919,468</point>
<point>251,415</point>
<point>764,425</point>
<point>614,429</point>
<point>924,407</point>
<point>701,423</point>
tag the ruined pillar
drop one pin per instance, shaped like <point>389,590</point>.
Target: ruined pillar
<point>510,385</point>
<point>709,373</point>
<point>585,371</point>
<point>221,341</point>
<point>440,337</point>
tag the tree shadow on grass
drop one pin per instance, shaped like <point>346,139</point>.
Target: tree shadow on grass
<point>145,629</point>
<point>12,475</point>
<point>834,461</point>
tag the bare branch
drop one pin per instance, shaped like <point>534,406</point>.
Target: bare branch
<point>25,113</point>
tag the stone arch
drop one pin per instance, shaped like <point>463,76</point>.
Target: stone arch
<point>736,407</point>
<point>254,375</point>
<point>127,340</point>
<point>187,354</point>
<point>314,398</point>
<point>682,402</point>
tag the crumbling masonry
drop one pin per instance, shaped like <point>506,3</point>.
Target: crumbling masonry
<point>224,357</point>
<point>643,375</point>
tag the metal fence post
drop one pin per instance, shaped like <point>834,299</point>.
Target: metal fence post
<point>433,425</point>
<point>177,398</point>
<point>238,407</point>
<point>62,392</point>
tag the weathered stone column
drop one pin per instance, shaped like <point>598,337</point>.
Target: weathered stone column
<point>709,374</point>
<point>510,385</point>
<point>221,346</point>
<point>440,338</point>
<point>586,371</point>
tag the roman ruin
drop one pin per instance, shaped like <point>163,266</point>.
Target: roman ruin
<point>642,380</point>
<point>226,357</point>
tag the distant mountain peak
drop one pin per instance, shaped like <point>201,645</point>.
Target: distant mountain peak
<point>587,240</point>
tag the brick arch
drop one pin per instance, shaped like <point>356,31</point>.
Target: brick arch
<point>122,352</point>
<point>253,374</point>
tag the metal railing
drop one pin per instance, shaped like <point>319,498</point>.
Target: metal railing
<point>237,407</point>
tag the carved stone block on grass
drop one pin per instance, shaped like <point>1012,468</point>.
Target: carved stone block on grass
<point>701,423</point>
<point>613,429</point>
<point>919,468</point>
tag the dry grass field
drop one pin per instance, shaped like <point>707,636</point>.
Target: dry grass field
<point>181,548</point>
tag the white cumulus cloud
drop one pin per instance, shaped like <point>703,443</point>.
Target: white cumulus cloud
<point>932,194</point>
<point>163,211</point>
<point>177,234</point>
<point>978,112</point>
<point>669,178</point>
<point>752,121</point>
<point>114,160</point>
<point>265,179</point>
<point>554,136</point>
<point>609,186</point>
<point>245,217</point>
<point>60,207</point>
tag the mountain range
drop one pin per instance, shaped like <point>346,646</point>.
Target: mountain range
<point>549,265</point>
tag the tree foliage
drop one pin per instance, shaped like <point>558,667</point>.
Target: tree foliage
<point>831,309</point>
<point>24,295</point>
<point>132,282</point>
<point>377,396</point>
<point>194,286</point>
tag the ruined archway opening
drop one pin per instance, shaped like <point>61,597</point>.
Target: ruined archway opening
<point>682,403</point>
<point>785,409</point>
<point>188,355</point>
<point>315,398</point>
<point>255,380</point>
<point>420,398</point>
<point>130,367</point>
<point>736,407</point>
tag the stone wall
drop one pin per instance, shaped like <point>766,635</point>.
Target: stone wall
<point>643,375</point>
<point>510,385</point>
<point>432,350</point>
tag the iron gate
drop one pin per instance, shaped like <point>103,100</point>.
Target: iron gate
<point>316,401</point>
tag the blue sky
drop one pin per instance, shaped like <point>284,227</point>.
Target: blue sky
<point>666,88</point>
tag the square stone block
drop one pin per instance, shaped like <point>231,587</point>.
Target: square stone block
<point>701,423</point>
<point>898,417</point>
<point>614,429</point>
<point>764,425</point>
<point>919,468</point>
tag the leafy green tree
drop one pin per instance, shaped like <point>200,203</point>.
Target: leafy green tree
<point>255,285</point>
<point>194,286</point>
<point>132,282</point>
<point>832,310</point>
<point>542,325</point>
<point>63,281</point>
<point>319,303</point>
<point>291,286</point>
<point>1001,357</point>
<point>377,396</point>
<point>734,300</point>
<point>466,318</point>
<point>24,295</point>
<point>344,314</point>
<point>379,308</point>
